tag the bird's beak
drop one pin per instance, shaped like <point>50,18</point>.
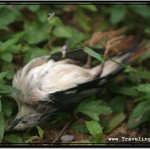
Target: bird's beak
<point>13,124</point>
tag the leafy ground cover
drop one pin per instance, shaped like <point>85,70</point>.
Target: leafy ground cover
<point>122,109</point>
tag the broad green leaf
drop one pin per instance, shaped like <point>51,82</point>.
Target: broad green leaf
<point>144,88</point>
<point>95,129</point>
<point>142,10</point>
<point>118,104</point>
<point>96,108</point>
<point>7,57</point>
<point>93,53</point>
<point>114,122</point>
<point>140,114</point>
<point>118,13</point>
<point>40,132</point>
<point>1,126</point>
<point>12,138</point>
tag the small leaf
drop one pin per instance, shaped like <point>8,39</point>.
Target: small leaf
<point>117,14</point>
<point>7,57</point>
<point>95,130</point>
<point>93,53</point>
<point>140,114</point>
<point>115,122</point>
<point>40,132</point>
<point>144,88</point>
<point>96,108</point>
<point>12,138</point>
<point>118,104</point>
<point>1,126</point>
<point>2,75</point>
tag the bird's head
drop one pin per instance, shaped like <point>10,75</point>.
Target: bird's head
<point>26,117</point>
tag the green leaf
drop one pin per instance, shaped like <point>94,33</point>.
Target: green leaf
<point>9,17</point>
<point>55,21</point>
<point>42,16</point>
<point>7,57</point>
<point>12,138</point>
<point>117,14</point>
<point>6,89</point>
<point>33,52</point>
<point>8,44</point>
<point>140,114</point>
<point>82,16</point>
<point>1,126</point>
<point>80,127</point>
<point>126,90</point>
<point>144,88</point>
<point>6,107</point>
<point>142,10</point>
<point>31,139</point>
<point>93,53</point>
<point>96,108</point>
<point>40,132</point>
<point>114,122</point>
<point>140,74</point>
<point>33,8</point>
<point>62,32</point>
<point>118,104</point>
<point>95,130</point>
<point>2,75</point>
<point>35,32</point>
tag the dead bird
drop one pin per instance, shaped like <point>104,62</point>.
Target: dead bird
<point>50,84</point>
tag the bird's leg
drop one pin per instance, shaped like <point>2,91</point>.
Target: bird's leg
<point>88,62</point>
